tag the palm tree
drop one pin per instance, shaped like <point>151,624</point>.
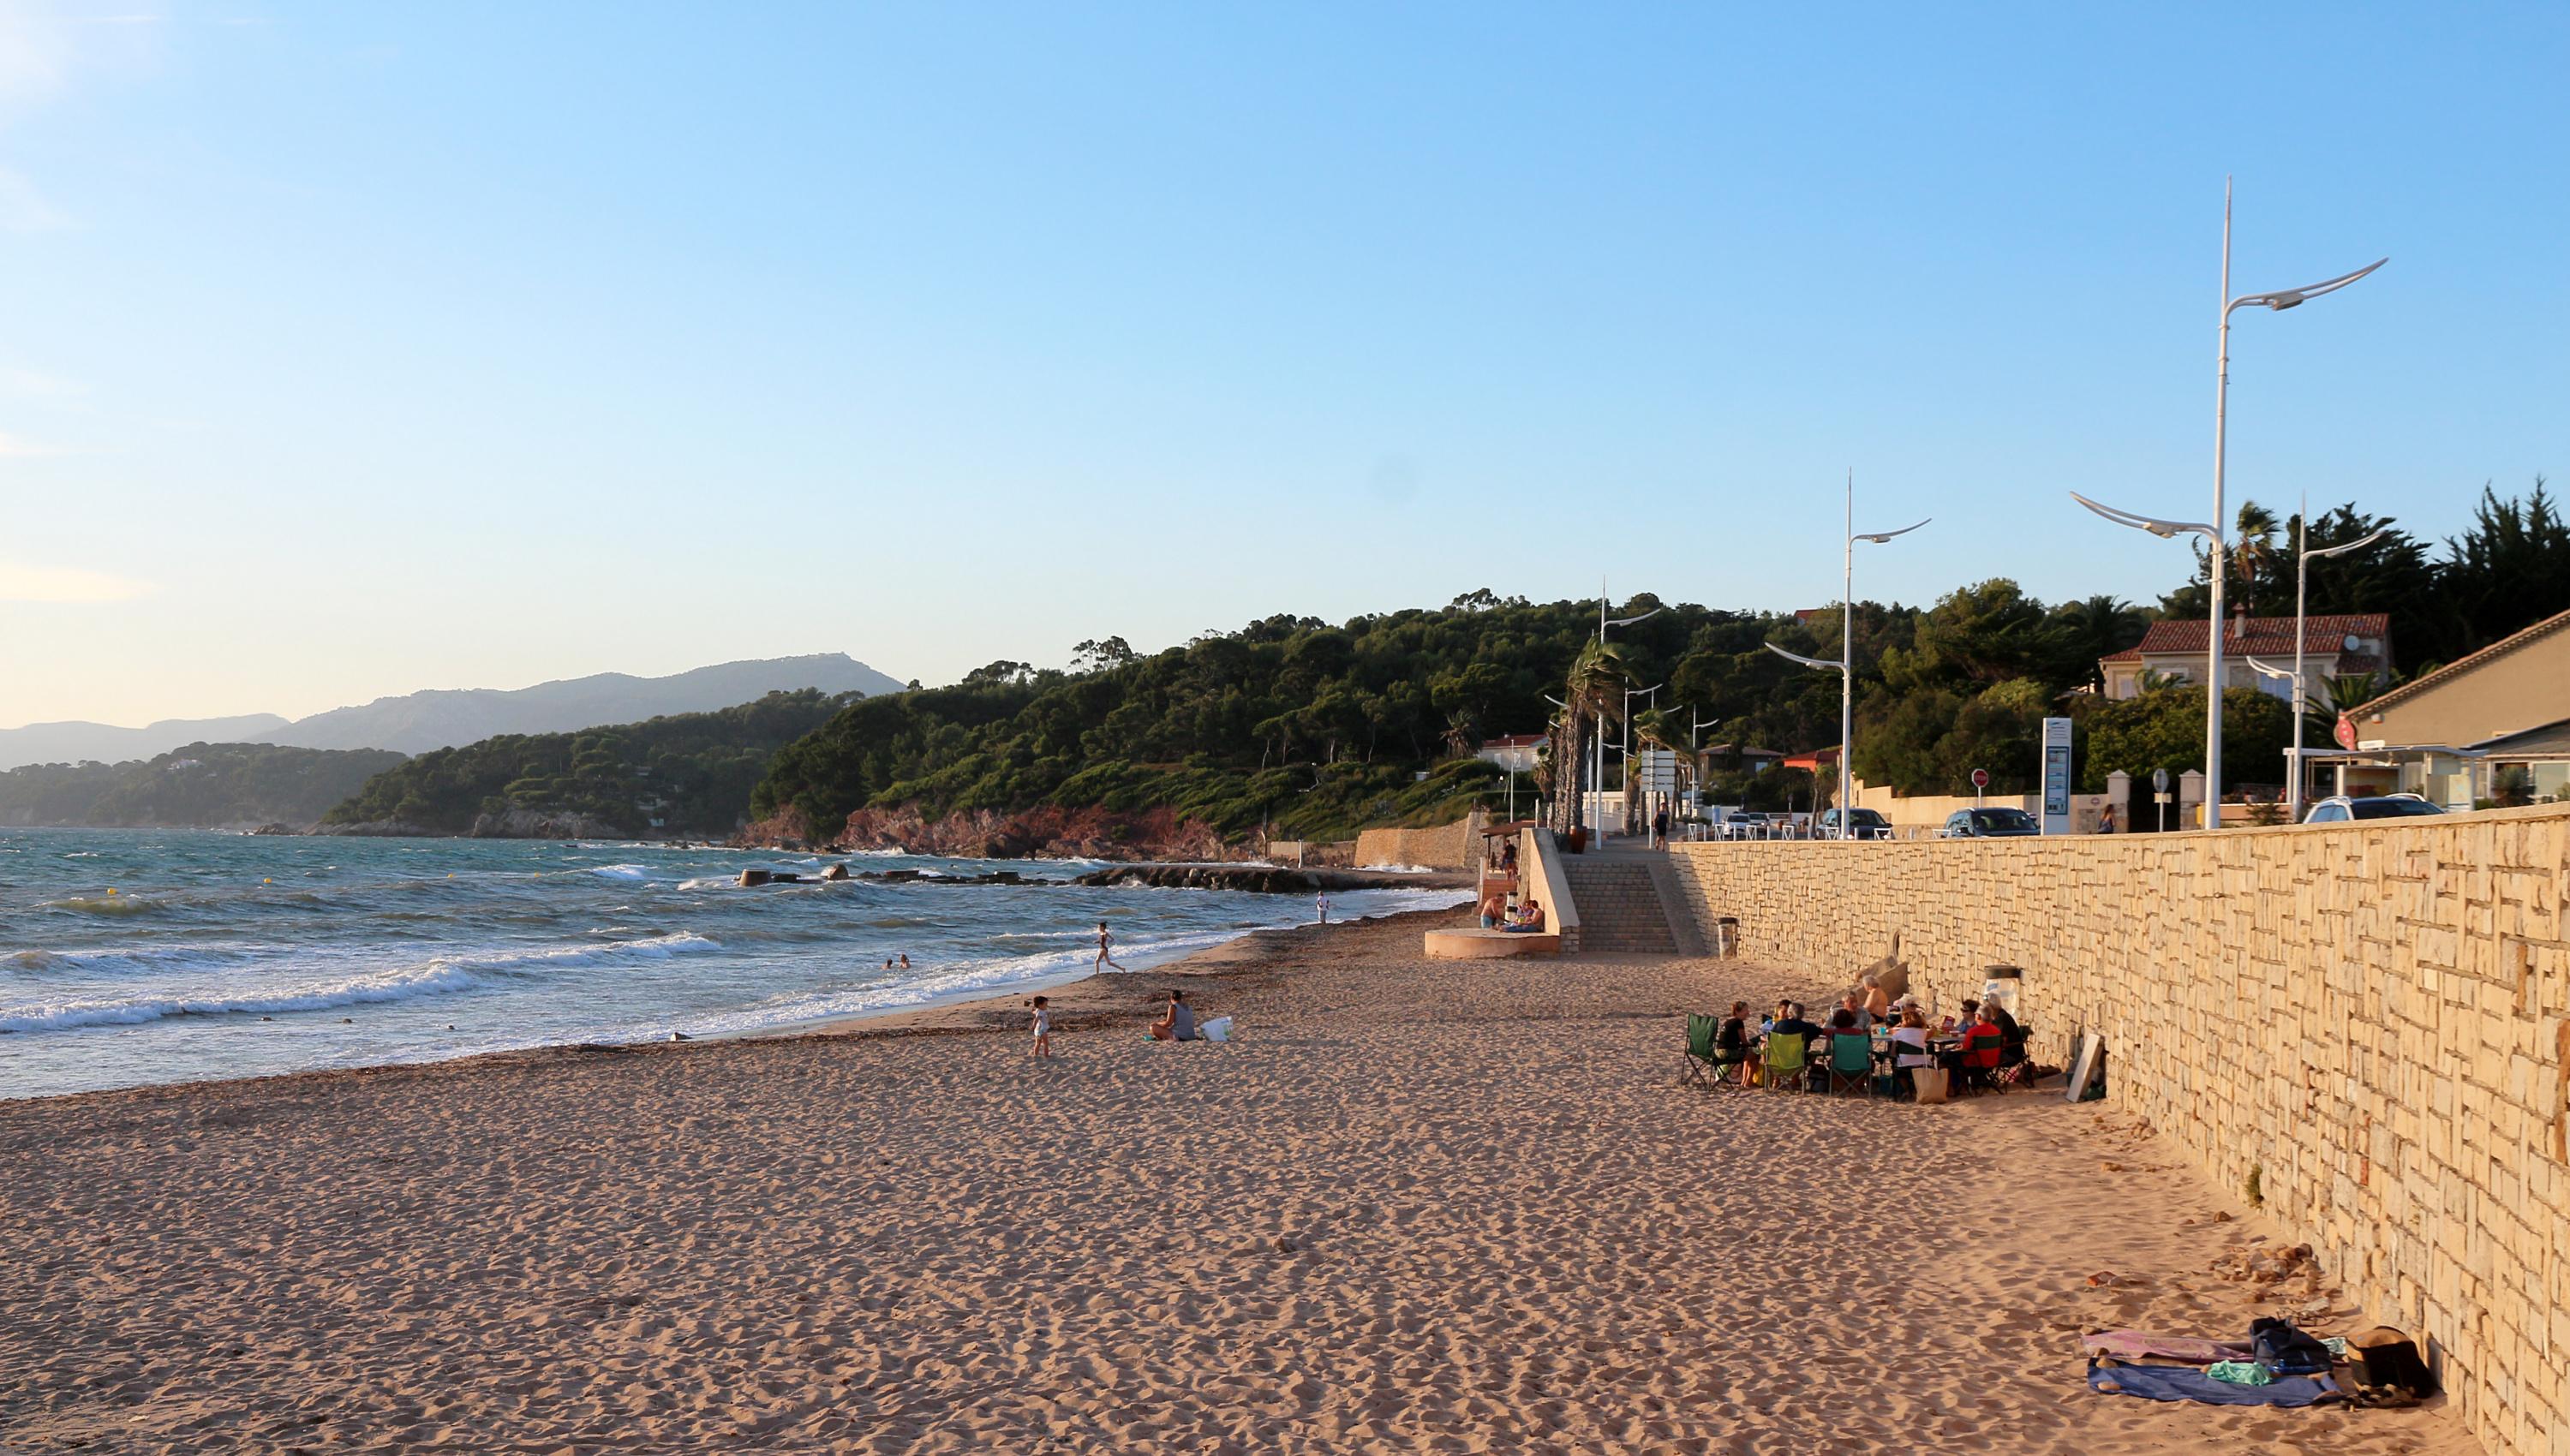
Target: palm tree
<point>2254,553</point>
<point>1594,690</point>
<point>1659,729</point>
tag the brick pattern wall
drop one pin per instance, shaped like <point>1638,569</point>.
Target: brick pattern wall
<point>2374,1020</point>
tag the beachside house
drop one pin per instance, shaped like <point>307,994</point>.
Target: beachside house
<point>1515,753</point>
<point>2334,645</point>
<point>2451,733</point>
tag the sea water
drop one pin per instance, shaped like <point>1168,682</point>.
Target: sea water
<point>130,956</point>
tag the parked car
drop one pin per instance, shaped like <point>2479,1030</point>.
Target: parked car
<point>1988,824</point>
<point>2343,808</point>
<point>1865,824</point>
<point>1748,824</point>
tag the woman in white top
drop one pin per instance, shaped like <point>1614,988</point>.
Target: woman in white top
<point>1910,1036</point>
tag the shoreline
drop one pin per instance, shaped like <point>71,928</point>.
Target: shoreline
<point>1092,994</point>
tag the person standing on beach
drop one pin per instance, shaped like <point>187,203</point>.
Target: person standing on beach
<point>1323,900</point>
<point>1044,1027</point>
<point>1104,940</point>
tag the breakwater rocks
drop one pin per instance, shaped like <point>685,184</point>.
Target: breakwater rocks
<point>751,879</point>
<point>1262,879</point>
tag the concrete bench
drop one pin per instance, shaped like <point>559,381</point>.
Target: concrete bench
<point>1478,945</point>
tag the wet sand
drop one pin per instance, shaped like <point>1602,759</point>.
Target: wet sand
<point>1418,1207</point>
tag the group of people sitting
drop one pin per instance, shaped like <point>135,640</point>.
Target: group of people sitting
<point>1499,915</point>
<point>1976,1047</point>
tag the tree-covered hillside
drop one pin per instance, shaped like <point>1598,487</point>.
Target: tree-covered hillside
<point>202,785</point>
<point>1316,729</point>
<point>685,774</point>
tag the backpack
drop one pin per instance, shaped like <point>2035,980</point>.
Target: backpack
<point>2284,1350</point>
<point>2384,1356</point>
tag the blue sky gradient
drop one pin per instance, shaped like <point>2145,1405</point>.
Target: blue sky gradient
<point>348,351</point>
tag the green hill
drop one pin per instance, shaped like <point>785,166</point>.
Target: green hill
<point>204,784</point>
<point>685,774</point>
<point>1310,728</point>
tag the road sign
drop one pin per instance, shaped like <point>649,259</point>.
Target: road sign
<point>1981,778</point>
<point>2158,781</point>
<point>2056,775</point>
<point>2345,733</point>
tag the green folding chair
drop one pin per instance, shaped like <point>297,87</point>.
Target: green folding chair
<point>1786,1057</point>
<point>1702,1068</point>
<point>1851,1064</point>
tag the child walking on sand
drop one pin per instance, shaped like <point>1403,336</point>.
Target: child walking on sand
<point>1044,1027</point>
<point>1104,940</point>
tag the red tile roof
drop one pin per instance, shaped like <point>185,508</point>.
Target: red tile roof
<point>2267,636</point>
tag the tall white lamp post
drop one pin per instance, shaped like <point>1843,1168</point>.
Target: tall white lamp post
<point>2304,557</point>
<point>1846,664</point>
<point>1597,755</point>
<point>2277,303</point>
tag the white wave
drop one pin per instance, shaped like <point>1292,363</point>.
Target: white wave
<point>441,977</point>
<point>931,984</point>
<point>358,991</point>
<point>619,872</point>
<point>143,958</point>
<point>1400,869</point>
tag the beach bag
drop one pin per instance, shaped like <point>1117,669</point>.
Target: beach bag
<point>2284,1350</point>
<point>2386,1357</point>
<point>1931,1082</point>
<point>1218,1029</point>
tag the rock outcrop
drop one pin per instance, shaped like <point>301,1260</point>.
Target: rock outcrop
<point>1042,833</point>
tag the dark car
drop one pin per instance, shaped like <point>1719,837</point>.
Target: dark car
<point>1865,824</point>
<point>2342,807</point>
<point>1989,824</point>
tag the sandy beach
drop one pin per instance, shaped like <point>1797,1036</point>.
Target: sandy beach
<point>1417,1207</point>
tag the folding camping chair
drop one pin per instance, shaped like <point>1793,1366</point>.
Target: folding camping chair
<point>1851,1064</point>
<point>1701,1069</point>
<point>1786,1057</point>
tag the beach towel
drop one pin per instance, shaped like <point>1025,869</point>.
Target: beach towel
<point>2133,1344</point>
<point>2176,1382</point>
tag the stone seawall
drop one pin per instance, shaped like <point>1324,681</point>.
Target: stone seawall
<point>2369,1024</point>
<point>1446,846</point>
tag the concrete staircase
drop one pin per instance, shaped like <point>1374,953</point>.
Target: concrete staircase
<point>1620,905</point>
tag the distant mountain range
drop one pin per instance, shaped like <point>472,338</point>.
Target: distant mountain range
<point>445,718</point>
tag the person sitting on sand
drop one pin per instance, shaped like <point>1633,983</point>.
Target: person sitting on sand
<point>1178,1023</point>
<point>1043,1027</point>
<point>1788,1022</point>
<point>1858,1015</point>
<point>1911,1037</point>
<point>1731,1039</point>
<point>1877,1005</point>
<point>1961,1021</point>
<point>1843,1023</point>
<point>1104,940</point>
<point>2012,1045</point>
<point>1529,919</point>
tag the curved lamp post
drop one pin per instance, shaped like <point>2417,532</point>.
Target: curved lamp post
<point>1846,665</point>
<point>2277,303</point>
<point>2304,557</point>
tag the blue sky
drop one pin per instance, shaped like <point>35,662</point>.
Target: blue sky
<point>350,350</point>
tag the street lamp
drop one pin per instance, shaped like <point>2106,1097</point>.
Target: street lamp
<point>2304,557</point>
<point>2276,303</point>
<point>1597,757</point>
<point>1846,664</point>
